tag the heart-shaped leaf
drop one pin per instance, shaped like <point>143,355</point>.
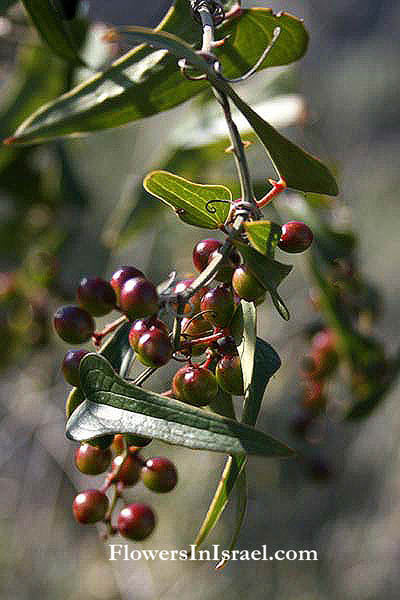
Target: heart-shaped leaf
<point>263,236</point>
<point>54,30</point>
<point>269,272</point>
<point>114,405</point>
<point>204,206</point>
<point>142,82</point>
<point>114,350</point>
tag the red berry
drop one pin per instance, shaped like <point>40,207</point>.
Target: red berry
<point>70,366</point>
<point>92,460</point>
<point>159,474</point>
<point>141,326</point>
<point>73,324</point>
<point>130,470</point>
<point>136,521</point>
<point>194,385</point>
<point>96,295</point>
<point>121,275</point>
<point>138,298</point>
<point>246,285</point>
<point>296,237</point>
<point>205,251</point>
<point>90,506</point>
<point>219,301</point>
<point>229,375</point>
<point>154,348</point>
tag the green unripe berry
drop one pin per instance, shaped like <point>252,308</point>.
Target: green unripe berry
<point>246,285</point>
<point>92,460</point>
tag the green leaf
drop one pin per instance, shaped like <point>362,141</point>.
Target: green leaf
<point>194,203</point>
<point>114,405</point>
<point>114,350</point>
<point>48,21</point>
<point>241,507</point>
<point>270,273</point>
<point>142,82</point>
<point>266,364</point>
<point>263,236</point>
<point>247,347</point>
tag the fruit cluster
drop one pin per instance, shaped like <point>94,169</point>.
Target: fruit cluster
<point>207,316</point>
<point>136,521</point>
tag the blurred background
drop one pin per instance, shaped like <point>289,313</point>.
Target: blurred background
<point>74,208</point>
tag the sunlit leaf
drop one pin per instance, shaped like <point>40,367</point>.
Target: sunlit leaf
<point>263,236</point>
<point>200,205</point>
<point>143,82</point>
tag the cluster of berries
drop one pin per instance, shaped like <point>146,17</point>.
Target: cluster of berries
<point>205,329</point>
<point>136,520</point>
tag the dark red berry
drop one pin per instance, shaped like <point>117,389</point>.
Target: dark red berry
<point>159,474</point>
<point>219,302</point>
<point>205,251</point>
<point>90,506</point>
<point>121,275</point>
<point>130,470</point>
<point>229,375</point>
<point>141,326</point>
<point>194,385</point>
<point>246,285</point>
<point>138,298</point>
<point>202,252</point>
<point>136,521</point>
<point>70,366</point>
<point>296,237</point>
<point>154,348</point>
<point>92,460</point>
<point>74,324</point>
<point>96,295</point>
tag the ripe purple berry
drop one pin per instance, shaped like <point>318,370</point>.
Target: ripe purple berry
<point>154,348</point>
<point>96,295</point>
<point>138,298</point>
<point>159,474</point>
<point>296,237</point>
<point>219,301</point>
<point>136,521</point>
<point>74,324</point>
<point>121,275</point>
<point>70,366</point>
<point>90,506</point>
<point>141,326</point>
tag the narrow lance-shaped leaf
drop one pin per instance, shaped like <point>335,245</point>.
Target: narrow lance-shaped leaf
<point>301,170</point>
<point>143,82</point>
<point>270,273</point>
<point>47,19</point>
<point>204,206</point>
<point>114,405</point>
